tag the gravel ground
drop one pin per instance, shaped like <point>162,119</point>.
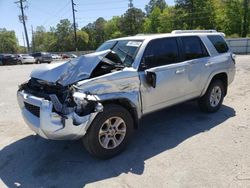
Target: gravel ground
<point>176,147</point>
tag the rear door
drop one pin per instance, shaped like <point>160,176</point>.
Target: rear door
<point>196,56</point>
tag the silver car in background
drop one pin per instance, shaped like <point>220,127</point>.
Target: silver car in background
<point>101,97</point>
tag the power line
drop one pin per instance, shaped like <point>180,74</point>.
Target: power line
<point>101,9</point>
<point>102,2</point>
<point>59,16</point>
<point>74,21</point>
<point>22,19</point>
<point>56,13</point>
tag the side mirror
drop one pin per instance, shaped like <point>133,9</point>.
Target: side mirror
<point>151,79</point>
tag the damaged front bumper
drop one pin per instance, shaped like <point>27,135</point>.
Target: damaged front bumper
<point>38,113</point>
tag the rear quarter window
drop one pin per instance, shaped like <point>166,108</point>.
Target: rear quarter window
<point>219,43</point>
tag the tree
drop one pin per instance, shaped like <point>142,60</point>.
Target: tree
<point>64,34</point>
<point>89,29</point>
<point>152,22</point>
<point>228,17</point>
<point>112,28</point>
<point>99,26</point>
<point>190,14</point>
<point>8,41</point>
<point>161,4</point>
<point>166,20</point>
<point>43,40</point>
<point>132,21</point>
<point>246,17</point>
<point>82,40</point>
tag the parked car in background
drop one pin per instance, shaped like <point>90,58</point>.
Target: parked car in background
<point>42,57</point>
<point>65,56</point>
<point>73,56</point>
<point>25,58</point>
<point>8,59</point>
<point>55,56</point>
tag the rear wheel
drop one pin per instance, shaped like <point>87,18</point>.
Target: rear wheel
<point>213,98</point>
<point>38,61</point>
<point>109,133</point>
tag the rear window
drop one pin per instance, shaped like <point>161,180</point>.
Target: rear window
<point>219,43</point>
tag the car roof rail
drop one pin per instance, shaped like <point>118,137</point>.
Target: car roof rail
<point>193,31</point>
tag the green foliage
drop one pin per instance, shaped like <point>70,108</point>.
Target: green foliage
<point>112,28</point>
<point>161,4</point>
<point>194,14</point>
<point>132,21</point>
<point>229,16</point>
<point>8,41</point>
<point>152,22</point>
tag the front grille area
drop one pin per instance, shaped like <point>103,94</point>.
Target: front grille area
<point>35,110</point>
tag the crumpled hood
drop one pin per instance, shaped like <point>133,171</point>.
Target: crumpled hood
<point>70,72</point>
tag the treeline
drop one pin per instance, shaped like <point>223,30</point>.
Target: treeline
<point>229,16</point>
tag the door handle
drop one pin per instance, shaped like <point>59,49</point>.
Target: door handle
<point>180,71</point>
<point>209,64</point>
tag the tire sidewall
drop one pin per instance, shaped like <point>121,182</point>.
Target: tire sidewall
<point>208,94</point>
<point>94,145</point>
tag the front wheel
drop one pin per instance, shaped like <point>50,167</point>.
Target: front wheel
<point>213,98</point>
<point>109,133</point>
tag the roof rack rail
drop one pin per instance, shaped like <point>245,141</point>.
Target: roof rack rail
<point>194,31</point>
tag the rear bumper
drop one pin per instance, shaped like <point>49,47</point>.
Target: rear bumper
<point>231,74</point>
<point>49,124</point>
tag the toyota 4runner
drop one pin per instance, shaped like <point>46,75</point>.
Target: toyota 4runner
<point>101,97</point>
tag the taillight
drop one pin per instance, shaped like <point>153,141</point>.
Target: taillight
<point>233,56</point>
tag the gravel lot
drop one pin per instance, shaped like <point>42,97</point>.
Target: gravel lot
<point>176,147</point>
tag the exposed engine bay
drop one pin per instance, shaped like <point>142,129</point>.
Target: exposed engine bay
<point>69,99</point>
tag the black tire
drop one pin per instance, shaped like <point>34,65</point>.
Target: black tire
<point>38,62</point>
<point>204,102</point>
<point>91,139</point>
<point>19,62</point>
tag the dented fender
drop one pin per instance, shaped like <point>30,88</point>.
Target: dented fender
<point>120,85</point>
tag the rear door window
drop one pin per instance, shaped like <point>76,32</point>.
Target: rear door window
<point>193,48</point>
<point>161,52</point>
<point>219,43</point>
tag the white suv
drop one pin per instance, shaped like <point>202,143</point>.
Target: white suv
<point>101,97</point>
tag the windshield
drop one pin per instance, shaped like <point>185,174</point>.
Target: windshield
<point>125,49</point>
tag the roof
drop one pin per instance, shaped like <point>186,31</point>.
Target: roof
<point>174,33</point>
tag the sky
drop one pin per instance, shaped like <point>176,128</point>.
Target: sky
<point>49,12</point>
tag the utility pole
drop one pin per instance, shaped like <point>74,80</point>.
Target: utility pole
<point>130,4</point>
<point>22,18</point>
<point>74,22</point>
<point>23,41</point>
<point>33,44</point>
<point>132,27</point>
